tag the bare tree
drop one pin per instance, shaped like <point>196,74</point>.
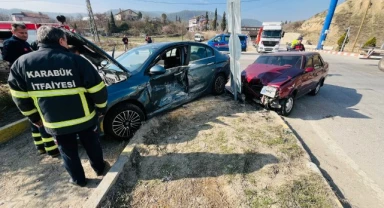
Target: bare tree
<point>4,17</point>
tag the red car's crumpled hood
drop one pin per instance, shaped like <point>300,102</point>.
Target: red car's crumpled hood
<point>267,74</point>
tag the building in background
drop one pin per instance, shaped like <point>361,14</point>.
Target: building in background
<point>126,15</point>
<point>30,17</point>
<point>198,23</point>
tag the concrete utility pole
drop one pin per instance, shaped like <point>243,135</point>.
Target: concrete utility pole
<point>345,39</point>
<point>327,23</point>
<point>92,22</point>
<point>361,25</point>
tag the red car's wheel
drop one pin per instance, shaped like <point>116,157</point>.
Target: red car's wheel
<point>287,106</point>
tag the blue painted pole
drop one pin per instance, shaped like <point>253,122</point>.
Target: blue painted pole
<point>327,22</point>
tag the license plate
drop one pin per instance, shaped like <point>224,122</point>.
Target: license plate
<point>268,91</point>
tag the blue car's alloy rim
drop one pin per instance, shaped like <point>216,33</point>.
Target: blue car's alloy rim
<point>126,123</point>
<point>219,84</point>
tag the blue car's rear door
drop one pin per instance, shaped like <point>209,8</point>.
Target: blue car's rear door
<point>201,68</point>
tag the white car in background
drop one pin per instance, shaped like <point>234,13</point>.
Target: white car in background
<point>199,37</point>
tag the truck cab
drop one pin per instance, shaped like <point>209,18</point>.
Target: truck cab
<point>269,37</point>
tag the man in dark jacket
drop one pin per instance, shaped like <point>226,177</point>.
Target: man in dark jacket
<point>63,92</point>
<point>15,47</point>
<point>125,41</point>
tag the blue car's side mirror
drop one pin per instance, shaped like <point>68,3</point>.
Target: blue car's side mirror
<point>157,69</point>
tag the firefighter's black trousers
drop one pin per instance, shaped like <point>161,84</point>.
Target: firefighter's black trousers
<point>68,147</point>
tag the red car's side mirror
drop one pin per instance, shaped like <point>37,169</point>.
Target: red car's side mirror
<point>309,69</point>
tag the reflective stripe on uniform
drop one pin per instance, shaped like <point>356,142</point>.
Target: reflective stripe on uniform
<point>48,139</point>
<point>96,88</point>
<point>63,92</point>
<point>103,105</point>
<point>36,135</point>
<point>84,103</point>
<point>53,93</point>
<point>51,148</point>
<point>69,122</point>
<point>19,94</point>
<point>28,113</point>
<point>38,142</point>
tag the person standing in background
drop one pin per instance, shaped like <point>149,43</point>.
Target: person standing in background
<point>125,41</point>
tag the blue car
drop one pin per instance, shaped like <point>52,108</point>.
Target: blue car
<point>220,42</point>
<point>153,78</point>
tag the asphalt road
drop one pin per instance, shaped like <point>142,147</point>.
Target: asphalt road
<point>342,127</point>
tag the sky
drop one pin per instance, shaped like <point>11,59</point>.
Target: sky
<point>263,10</point>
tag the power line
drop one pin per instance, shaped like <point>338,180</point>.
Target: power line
<point>201,3</point>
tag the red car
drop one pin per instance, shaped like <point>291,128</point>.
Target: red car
<point>276,80</point>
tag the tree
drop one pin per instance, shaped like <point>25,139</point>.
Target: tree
<point>113,27</point>
<point>124,27</point>
<point>224,23</point>
<point>370,43</point>
<point>286,22</point>
<point>180,19</point>
<point>207,20</point>
<point>140,15</point>
<point>214,22</point>
<point>75,26</point>
<point>164,18</point>
<point>176,18</point>
<point>341,40</point>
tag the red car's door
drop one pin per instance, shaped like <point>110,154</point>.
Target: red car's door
<point>306,78</point>
<point>319,70</point>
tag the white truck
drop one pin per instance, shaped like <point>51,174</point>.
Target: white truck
<point>269,38</point>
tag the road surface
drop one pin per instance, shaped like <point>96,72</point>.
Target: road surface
<point>342,127</point>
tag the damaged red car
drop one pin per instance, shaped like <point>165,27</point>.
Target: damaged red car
<point>276,80</point>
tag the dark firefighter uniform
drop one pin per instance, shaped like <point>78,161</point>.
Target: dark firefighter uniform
<point>70,93</point>
<point>14,48</point>
<point>66,92</point>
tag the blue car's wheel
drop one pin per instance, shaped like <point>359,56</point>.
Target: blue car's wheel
<point>123,121</point>
<point>219,84</point>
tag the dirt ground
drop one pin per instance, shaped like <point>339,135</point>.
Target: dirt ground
<point>32,180</point>
<point>217,153</point>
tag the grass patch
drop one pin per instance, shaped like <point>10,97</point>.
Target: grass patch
<point>274,141</point>
<point>293,151</point>
<point>305,192</point>
<point>5,98</point>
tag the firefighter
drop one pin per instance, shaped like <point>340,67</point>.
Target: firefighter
<point>64,93</point>
<point>15,47</point>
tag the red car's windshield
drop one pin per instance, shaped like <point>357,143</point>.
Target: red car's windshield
<point>294,61</point>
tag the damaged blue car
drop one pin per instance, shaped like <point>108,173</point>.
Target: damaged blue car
<point>153,78</point>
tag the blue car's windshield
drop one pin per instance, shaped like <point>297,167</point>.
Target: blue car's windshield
<point>133,59</point>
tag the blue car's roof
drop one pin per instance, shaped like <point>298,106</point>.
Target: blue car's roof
<point>167,44</point>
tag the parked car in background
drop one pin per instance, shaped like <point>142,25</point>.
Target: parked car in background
<point>153,78</point>
<point>275,80</point>
<point>199,37</point>
<point>220,42</point>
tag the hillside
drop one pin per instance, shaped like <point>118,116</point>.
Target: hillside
<point>350,13</point>
<point>52,15</point>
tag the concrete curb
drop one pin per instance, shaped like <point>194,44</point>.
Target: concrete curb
<point>14,129</point>
<point>310,164</point>
<point>337,53</point>
<point>110,178</point>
